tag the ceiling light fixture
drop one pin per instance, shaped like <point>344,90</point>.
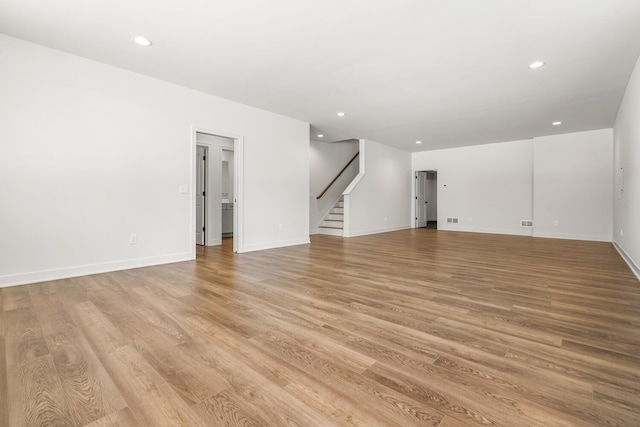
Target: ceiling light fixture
<point>537,64</point>
<point>142,41</point>
<point>556,123</point>
<point>418,142</point>
<point>320,135</point>
<point>341,114</point>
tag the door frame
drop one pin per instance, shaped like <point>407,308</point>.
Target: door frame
<point>205,209</point>
<point>414,193</point>
<point>417,198</point>
<point>238,185</point>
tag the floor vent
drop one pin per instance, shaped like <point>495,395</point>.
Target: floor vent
<point>526,223</point>
<point>452,220</point>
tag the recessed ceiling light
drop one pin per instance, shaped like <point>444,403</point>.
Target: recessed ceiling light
<point>341,114</point>
<point>320,135</point>
<point>537,64</point>
<point>418,142</point>
<point>556,123</point>
<point>142,41</point>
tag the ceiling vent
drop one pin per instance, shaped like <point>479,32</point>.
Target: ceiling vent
<point>526,223</point>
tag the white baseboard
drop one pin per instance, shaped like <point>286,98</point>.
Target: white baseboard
<point>513,232</point>
<point>273,245</point>
<point>590,238</point>
<point>84,270</point>
<point>377,231</point>
<point>625,256</point>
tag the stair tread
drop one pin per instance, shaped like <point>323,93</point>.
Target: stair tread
<point>329,226</point>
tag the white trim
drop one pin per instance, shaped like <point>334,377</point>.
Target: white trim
<point>635,269</point>
<point>238,189</point>
<point>590,238</point>
<point>192,198</point>
<point>238,185</point>
<point>84,270</point>
<point>524,232</point>
<point>276,244</point>
<point>378,231</point>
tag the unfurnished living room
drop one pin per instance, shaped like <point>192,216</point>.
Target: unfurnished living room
<point>320,213</point>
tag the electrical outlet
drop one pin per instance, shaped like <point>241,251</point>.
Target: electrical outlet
<point>556,222</point>
<point>133,239</point>
<point>281,227</point>
<point>183,188</point>
<point>470,219</point>
<point>621,232</point>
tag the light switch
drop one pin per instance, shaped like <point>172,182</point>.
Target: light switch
<point>183,188</point>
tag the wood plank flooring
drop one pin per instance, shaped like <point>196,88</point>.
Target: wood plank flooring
<point>411,328</point>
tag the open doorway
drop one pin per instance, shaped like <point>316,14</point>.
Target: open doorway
<point>217,196</point>
<point>201,194</point>
<point>427,199</point>
<point>226,191</point>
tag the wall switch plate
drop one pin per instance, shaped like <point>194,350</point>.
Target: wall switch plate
<point>556,222</point>
<point>183,188</point>
<point>133,239</point>
<point>281,227</point>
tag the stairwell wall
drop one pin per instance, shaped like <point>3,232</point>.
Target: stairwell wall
<point>326,159</point>
<point>380,201</point>
<point>626,167</point>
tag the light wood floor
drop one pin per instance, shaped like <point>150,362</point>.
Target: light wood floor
<point>417,327</point>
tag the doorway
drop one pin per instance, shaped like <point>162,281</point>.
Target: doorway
<point>201,194</point>
<point>226,191</point>
<point>427,199</point>
<point>217,181</point>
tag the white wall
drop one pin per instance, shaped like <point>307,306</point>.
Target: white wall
<point>626,148</point>
<point>90,153</point>
<point>487,187</point>
<point>573,185</point>
<point>326,160</point>
<point>381,200</point>
<point>491,188</point>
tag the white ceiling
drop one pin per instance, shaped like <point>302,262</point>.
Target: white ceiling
<point>447,72</point>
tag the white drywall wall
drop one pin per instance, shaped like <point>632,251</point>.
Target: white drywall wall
<point>487,187</point>
<point>626,165</point>
<point>90,154</point>
<point>381,200</point>
<point>326,160</point>
<point>573,185</point>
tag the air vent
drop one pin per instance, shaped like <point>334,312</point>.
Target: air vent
<point>452,220</point>
<point>526,223</point>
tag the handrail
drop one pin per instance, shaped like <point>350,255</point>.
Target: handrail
<point>337,176</point>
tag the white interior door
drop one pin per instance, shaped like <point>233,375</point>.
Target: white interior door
<point>421,199</point>
<point>201,183</point>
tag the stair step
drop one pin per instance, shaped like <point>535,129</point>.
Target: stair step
<point>330,231</point>
<point>337,210</point>
<point>335,216</point>
<point>340,205</point>
<point>329,223</point>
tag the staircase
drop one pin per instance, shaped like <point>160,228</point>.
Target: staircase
<point>333,222</point>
